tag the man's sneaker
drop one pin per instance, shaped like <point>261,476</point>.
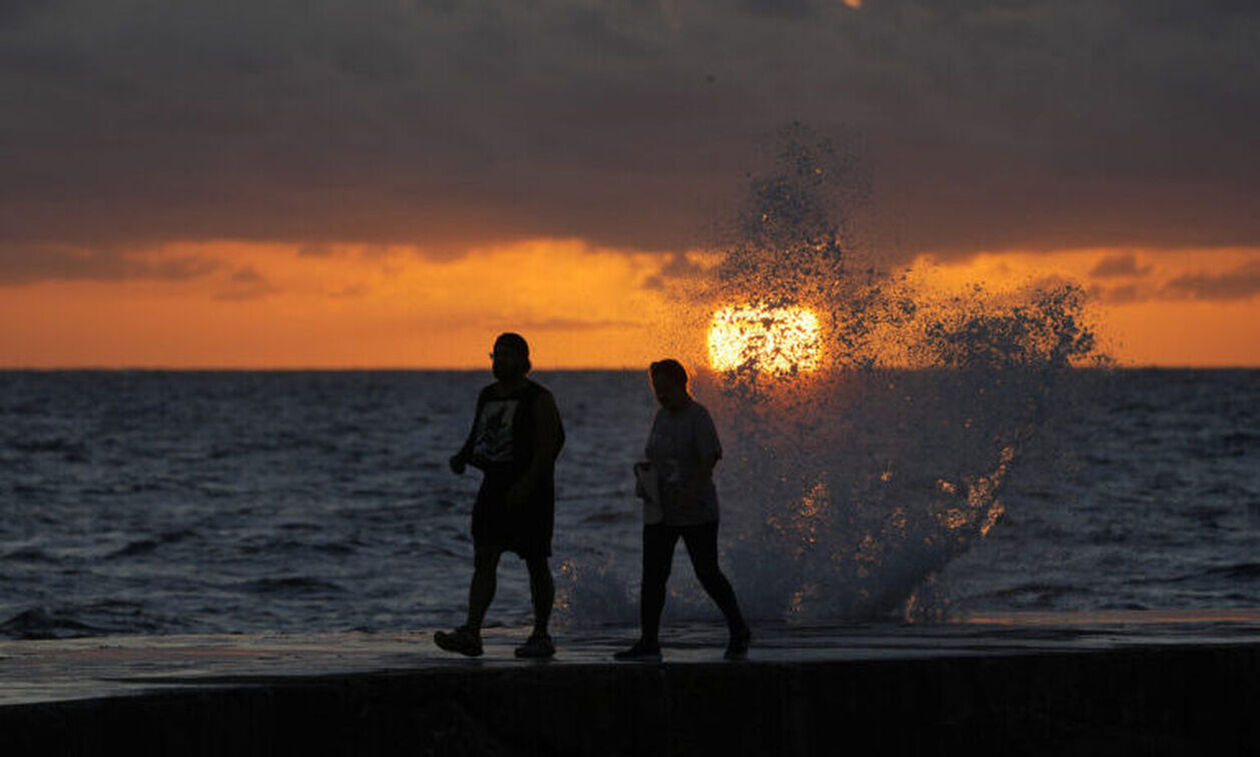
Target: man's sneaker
<point>462,640</point>
<point>640,652</point>
<point>537,647</point>
<point>737,647</point>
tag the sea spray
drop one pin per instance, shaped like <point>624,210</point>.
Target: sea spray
<point>866,451</point>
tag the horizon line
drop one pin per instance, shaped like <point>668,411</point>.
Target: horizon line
<point>466,369</point>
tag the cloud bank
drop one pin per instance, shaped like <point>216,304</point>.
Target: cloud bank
<point>443,124</point>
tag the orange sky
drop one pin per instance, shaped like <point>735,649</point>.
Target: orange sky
<point>269,306</point>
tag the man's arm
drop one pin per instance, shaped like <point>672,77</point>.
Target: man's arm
<point>546,420</point>
<point>459,460</point>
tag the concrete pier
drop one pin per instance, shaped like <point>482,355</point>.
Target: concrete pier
<point>989,688</point>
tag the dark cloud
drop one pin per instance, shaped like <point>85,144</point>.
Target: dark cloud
<point>14,13</point>
<point>246,283</point>
<point>677,266</point>
<point>350,292</point>
<point>1242,282</point>
<point>25,263</point>
<point>316,250</point>
<point>1239,284</point>
<point>785,8</point>
<point>246,275</point>
<point>1118,295</point>
<point>1124,264</point>
<point>574,324</point>
<point>986,124</point>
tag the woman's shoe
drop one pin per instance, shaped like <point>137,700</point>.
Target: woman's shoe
<point>537,647</point>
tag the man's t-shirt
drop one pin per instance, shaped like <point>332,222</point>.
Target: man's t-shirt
<point>675,447</point>
<point>502,443</point>
<point>492,438</point>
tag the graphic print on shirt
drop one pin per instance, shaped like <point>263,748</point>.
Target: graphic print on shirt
<point>493,439</point>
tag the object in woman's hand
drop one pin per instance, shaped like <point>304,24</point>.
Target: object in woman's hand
<point>647,486</point>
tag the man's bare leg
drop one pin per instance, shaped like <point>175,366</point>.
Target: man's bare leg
<point>542,590</point>
<point>484,582</point>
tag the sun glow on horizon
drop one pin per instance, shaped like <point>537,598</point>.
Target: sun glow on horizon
<point>771,340</point>
<point>223,303</point>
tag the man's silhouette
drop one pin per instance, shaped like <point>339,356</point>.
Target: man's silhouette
<point>515,437</point>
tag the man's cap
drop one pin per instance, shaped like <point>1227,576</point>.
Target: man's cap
<point>513,341</point>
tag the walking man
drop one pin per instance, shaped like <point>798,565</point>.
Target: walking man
<point>515,438</point>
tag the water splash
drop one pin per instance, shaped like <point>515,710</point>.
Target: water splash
<point>852,477</point>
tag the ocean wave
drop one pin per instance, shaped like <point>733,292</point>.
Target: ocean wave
<point>614,516</point>
<point>1241,441</point>
<point>41,623</point>
<point>1249,571</point>
<point>1039,594</point>
<point>28,554</point>
<point>134,549</point>
<point>73,450</point>
<point>297,585</point>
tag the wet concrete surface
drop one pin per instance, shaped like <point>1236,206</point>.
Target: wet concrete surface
<point>1115,683</point>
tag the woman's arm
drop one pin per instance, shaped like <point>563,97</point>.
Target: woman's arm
<point>708,448</point>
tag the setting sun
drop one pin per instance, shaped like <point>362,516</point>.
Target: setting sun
<point>774,340</point>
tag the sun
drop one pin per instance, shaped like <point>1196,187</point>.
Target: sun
<point>767,340</point>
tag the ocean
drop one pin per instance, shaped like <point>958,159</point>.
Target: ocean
<point>153,502</point>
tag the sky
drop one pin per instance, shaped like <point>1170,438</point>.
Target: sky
<point>390,183</point>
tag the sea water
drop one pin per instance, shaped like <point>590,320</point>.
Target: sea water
<point>179,502</point>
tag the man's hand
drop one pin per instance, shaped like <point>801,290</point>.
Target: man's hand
<point>517,494</point>
<point>458,463</point>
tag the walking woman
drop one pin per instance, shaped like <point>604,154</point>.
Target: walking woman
<point>682,449</point>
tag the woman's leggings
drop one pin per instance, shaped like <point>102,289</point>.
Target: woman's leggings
<point>658,556</point>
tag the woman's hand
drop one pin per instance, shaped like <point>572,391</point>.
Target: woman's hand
<point>687,495</point>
